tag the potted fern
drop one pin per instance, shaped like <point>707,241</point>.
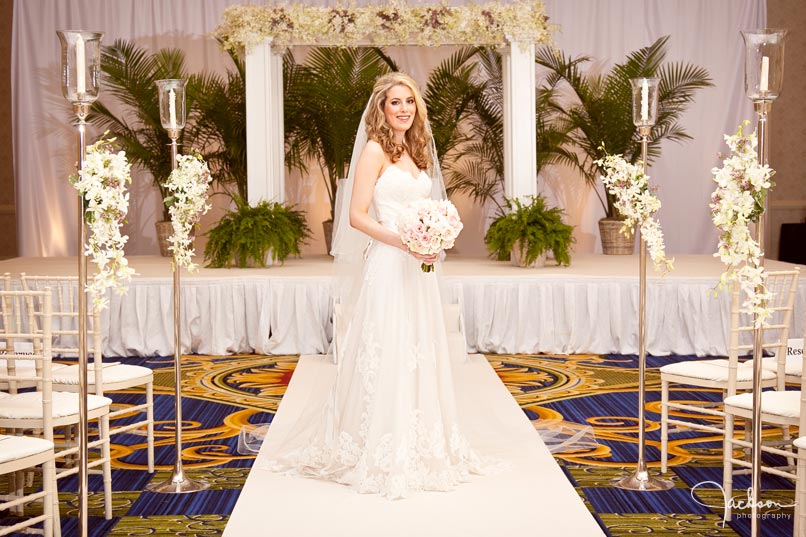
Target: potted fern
<point>257,235</point>
<point>527,232</point>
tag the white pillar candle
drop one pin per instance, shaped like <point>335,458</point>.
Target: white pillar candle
<point>81,85</point>
<point>763,82</point>
<point>172,108</point>
<point>644,100</point>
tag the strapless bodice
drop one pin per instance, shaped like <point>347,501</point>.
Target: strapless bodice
<point>395,190</point>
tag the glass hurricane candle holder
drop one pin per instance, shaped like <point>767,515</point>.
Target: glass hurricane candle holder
<point>764,63</point>
<point>81,65</point>
<point>763,80</point>
<point>644,101</point>
<point>172,104</point>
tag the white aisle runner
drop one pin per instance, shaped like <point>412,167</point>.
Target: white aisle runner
<point>531,498</point>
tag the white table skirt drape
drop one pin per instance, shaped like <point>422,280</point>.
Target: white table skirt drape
<point>594,315</point>
<point>589,307</point>
<point>227,316</point>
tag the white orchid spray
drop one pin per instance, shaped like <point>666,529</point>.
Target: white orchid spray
<point>101,182</point>
<point>636,202</point>
<point>187,202</point>
<point>738,201</point>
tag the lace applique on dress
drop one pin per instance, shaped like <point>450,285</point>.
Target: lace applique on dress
<point>417,357</point>
<point>368,358</point>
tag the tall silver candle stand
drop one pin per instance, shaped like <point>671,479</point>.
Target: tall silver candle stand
<point>763,80</point>
<point>645,106</point>
<point>80,81</point>
<point>172,117</point>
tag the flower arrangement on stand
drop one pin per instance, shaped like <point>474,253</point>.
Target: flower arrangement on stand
<point>742,186</point>
<point>187,203</point>
<point>635,201</point>
<point>102,185</point>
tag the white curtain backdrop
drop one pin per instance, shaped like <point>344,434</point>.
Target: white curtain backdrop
<point>704,32</point>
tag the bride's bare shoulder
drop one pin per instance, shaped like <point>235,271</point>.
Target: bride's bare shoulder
<point>373,160</point>
<point>371,163</point>
<point>373,149</point>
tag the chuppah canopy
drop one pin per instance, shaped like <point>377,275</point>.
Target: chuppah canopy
<point>264,32</point>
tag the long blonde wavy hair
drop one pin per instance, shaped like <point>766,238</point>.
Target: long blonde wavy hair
<point>417,139</point>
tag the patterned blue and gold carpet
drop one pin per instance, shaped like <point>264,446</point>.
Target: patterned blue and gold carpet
<point>223,393</point>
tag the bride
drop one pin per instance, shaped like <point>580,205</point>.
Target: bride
<point>390,425</point>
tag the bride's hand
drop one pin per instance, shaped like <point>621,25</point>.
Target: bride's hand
<point>427,259</point>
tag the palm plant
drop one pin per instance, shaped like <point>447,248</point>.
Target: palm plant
<point>477,167</point>
<point>324,100</point>
<point>129,76</point>
<point>220,124</point>
<point>293,110</point>
<point>599,119</point>
<point>449,92</point>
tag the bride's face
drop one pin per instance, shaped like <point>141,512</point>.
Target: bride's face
<point>400,108</point>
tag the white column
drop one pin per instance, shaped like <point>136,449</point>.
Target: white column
<point>265,150</point>
<point>520,162</point>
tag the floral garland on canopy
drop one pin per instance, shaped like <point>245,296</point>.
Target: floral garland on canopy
<point>742,187</point>
<point>101,182</point>
<point>187,202</point>
<point>395,23</point>
<point>637,204</point>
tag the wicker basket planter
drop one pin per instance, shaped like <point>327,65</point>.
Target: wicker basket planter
<point>614,242</point>
<point>327,228</point>
<point>164,231</point>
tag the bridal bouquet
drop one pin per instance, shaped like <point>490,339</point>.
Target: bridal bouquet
<point>429,227</point>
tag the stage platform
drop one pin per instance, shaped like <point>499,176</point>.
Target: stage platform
<point>530,495</point>
<point>589,307</point>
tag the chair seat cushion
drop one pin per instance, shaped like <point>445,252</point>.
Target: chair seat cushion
<point>800,443</point>
<point>112,372</point>
<point>25,368</point>
<point>29,405</point>
<point>714,370</point>
<point>794,365</point>
<point>17,447</point>
<point>785,404</point>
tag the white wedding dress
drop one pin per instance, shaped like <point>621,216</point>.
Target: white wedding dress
<point>390,425</point>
